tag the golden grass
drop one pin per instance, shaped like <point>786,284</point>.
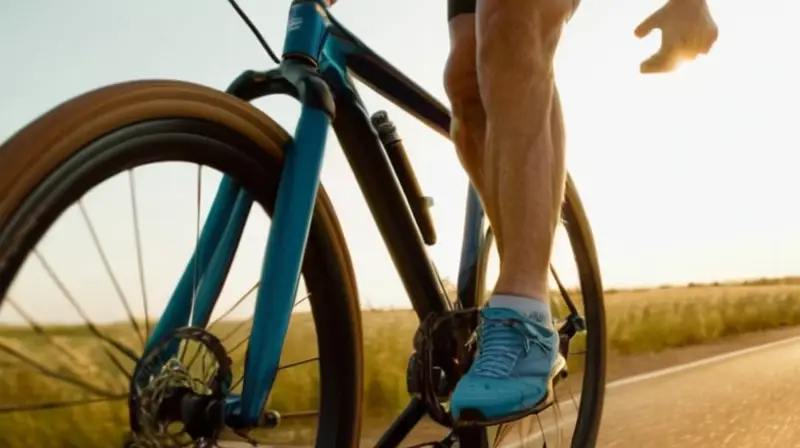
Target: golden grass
<point>639,321</point>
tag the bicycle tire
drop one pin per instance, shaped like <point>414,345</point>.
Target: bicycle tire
<point>101,131</point>
<point>583,248</point>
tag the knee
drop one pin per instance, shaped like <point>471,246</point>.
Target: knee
<point>460,73</point>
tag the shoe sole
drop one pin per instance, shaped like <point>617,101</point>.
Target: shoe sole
<point>474,417</point>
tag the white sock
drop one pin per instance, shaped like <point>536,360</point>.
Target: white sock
<point>531,308</point>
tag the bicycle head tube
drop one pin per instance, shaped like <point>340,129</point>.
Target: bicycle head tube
<point>306,30</point>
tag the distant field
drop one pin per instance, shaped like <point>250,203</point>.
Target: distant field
<point>640,321</point>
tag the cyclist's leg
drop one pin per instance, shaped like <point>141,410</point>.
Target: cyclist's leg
<point>516,41</point>
<point>468,126</point>
<point>516,45</point>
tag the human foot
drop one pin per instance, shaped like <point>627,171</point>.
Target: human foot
<point>513,372</point>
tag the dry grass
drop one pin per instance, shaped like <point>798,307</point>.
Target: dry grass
<point>639,321</point>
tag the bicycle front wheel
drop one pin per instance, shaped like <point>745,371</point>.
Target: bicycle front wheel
<point>67,361</point>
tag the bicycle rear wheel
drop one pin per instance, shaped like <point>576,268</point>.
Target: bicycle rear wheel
<point>586,356</point>
<point>49,165</point>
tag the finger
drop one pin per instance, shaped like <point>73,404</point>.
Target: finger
<point>709,41</point>
<point>660,62</point>
<point>649,24</point>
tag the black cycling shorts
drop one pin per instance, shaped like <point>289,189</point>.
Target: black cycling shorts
<point>456,7</point>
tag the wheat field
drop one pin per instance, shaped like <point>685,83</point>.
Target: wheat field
<point>639,321</point>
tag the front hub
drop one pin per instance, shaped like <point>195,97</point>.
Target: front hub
<point>178,390</point>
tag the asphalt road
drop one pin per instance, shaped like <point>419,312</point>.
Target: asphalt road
<point>748,398</point>
<point>743,399</point>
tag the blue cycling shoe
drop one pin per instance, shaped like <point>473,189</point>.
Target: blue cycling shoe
<point>513,373</point>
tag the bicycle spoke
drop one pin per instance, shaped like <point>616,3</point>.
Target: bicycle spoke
<point>541,431</point>
<point>300,414</point>
<point>242,342</point>
<point>196,266</point>
<point>89,325</point>
<point>564,293</point>
<point>235,305</point>
<point>38,329</point>
<point>52,373</point>
<point>284,367</point>
<point>250,321</point>
<point>306,297</point>
<point>237,382</point>
<point>110,272</point>
<point>235,330</point>
<point>298,363</point>
<point>572,397</point>
<point>118,365</point>
<point>247,337</point>
<point>204,363</point>
<point>197,257</point>
<point>225,314</point>
<point>231,333</point>
<point>4,409</point>
<point>502,431</point>
<point>207,377</point>
<point>557,413</point>
<point>139,257</point>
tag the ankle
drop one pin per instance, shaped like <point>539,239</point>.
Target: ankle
<point>534,293</point>
<point>523,286</point>
<point>536,309</point>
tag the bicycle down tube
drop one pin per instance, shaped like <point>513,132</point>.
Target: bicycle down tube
<point>319,57</point>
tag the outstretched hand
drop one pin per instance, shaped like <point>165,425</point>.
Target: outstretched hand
<point>687,30</point>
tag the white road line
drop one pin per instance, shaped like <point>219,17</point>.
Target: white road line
<point>698,363</point>
<point>657,374</point>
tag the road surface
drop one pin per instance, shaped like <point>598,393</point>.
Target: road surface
<point>743,399</point>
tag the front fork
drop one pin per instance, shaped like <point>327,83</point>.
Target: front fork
<point>280,273</point>
<point>291,221</point>
<point>196,293</point>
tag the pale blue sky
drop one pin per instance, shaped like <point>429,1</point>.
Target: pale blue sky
<point>687,177</point>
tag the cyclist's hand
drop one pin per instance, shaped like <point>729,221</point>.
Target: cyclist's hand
<point>687,30</point>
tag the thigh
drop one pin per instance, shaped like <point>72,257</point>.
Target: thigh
<point>536,16</point>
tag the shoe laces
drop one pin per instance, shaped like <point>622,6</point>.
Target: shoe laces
<point>503,337</point>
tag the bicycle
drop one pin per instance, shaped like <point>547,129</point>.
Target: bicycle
<point>53,161</point>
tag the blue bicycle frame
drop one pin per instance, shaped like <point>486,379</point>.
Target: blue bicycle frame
<point>319,57</point>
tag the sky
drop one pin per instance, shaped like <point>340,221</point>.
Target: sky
<point>685,177</point>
